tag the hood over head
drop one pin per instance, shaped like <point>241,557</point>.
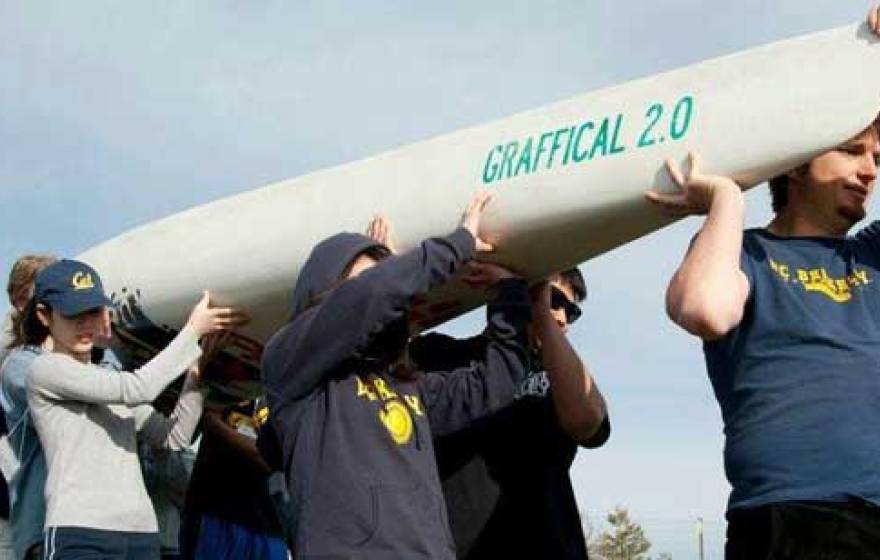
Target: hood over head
<point>326,263</point>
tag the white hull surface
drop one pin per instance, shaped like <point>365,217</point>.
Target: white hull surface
<point>568,179</point>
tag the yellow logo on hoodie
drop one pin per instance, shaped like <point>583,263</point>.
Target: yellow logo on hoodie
<point>397,421</point>
<point>395,415</point>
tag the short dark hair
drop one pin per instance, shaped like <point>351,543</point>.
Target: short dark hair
<point>779,184</point>
<point>575,279</point>
<point>778,192</point>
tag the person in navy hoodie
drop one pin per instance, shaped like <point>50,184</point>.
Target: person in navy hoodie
<point>505,478</point>
<point>355,421</point>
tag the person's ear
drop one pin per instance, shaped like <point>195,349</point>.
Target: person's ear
<point>44,315</point>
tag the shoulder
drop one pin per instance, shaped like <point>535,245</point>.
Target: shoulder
<point>751,234</point>
<point>868,237</point>
<point>285,339</point>
<point>756,244</point>
<point>18,360</point>
<point>49,360</point>
<point>870,231</point>
<point>278,347</point>
<point>51,365</point>
<point>22,355</point>
<point>45,365</point>
<point>754,240</point>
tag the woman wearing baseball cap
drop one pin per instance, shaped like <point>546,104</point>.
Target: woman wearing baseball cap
<point>88,418</point>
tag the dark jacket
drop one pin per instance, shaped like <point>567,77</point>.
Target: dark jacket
<point>506,478</point>
<point>357,441</point>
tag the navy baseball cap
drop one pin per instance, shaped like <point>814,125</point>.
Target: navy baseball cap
<point>71,287</point>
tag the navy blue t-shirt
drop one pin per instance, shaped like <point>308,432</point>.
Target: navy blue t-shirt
<point>798,381</point>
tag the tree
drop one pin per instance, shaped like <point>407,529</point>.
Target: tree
<point>625,540</point>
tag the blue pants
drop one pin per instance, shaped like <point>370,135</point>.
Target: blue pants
<point>222,540</point>
<point>80,543</point>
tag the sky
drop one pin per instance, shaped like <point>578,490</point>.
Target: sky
<point>116,114</point>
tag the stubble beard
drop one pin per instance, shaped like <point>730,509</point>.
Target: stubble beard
<point>852,215</point>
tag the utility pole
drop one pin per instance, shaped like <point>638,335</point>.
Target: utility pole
<point>700,538</point>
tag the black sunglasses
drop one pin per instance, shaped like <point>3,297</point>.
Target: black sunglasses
<point>558,300</point>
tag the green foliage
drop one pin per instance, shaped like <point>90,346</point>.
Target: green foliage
<point>625,540</point>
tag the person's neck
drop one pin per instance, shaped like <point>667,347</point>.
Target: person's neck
<point>83,357</point>
<point>790,224</point>
<point>48,345</point>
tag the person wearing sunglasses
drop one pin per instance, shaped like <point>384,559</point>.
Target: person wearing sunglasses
<point>505,478</point>
<point>560,301</point>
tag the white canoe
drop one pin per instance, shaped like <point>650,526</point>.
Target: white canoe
<point>569,180</point>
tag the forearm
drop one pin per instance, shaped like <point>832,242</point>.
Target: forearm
<point>185,417</point>
<point>383,293</point>
<point>303,354</point>
<point>244,446</point>
<point>458,397</point>
<point>580,408</point>
<point>60,378</point>
<point>175,431</point>
<point>707,293</point>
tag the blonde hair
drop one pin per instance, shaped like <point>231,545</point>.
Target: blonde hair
<point>21,286</point>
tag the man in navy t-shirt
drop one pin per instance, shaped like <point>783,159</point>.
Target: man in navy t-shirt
<point>790,318</point>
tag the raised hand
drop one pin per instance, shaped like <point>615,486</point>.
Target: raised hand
<point>380,230</point>
<point>104,337</point>
<point>696,190</point>
<point>205,319</point>
<point>874,19</point>
<point>473,213</point>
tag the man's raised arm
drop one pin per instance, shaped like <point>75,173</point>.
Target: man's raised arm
<point>708,292</point>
